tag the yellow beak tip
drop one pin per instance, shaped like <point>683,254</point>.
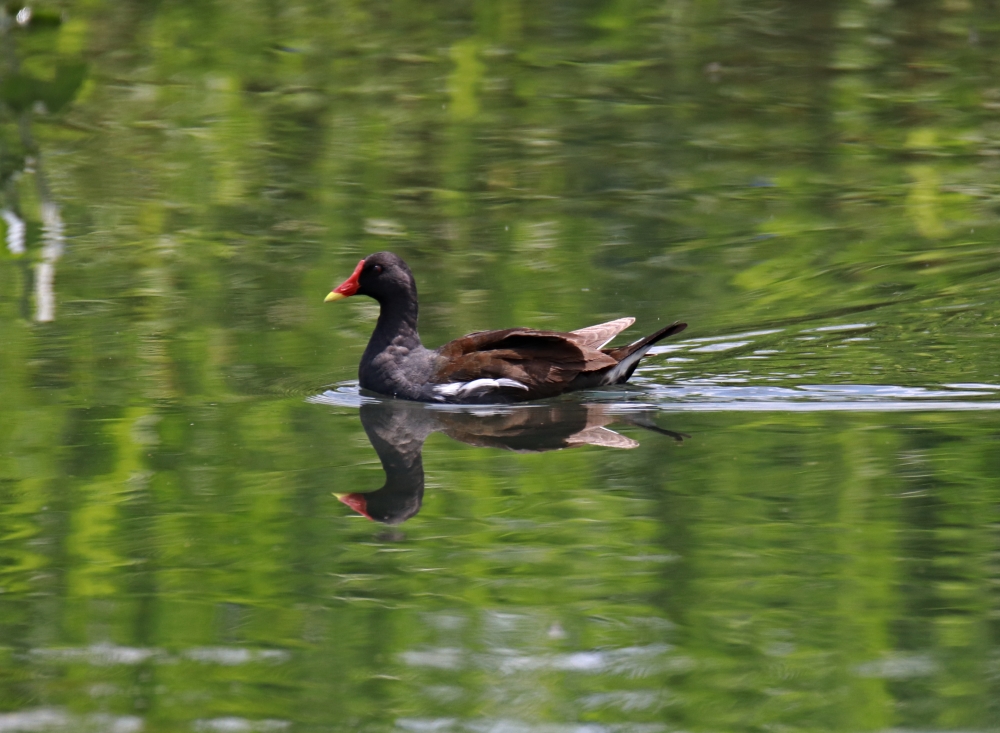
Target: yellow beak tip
<point>332,297</point>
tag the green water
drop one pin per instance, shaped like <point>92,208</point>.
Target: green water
<point>787,523</point>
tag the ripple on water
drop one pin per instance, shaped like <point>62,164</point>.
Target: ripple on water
<point>697,375</point>
<point>732,393</point>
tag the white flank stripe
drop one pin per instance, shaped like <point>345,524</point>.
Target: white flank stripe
<point>476,386</point>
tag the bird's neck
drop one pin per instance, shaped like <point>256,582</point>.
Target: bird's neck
<point>397,324</point>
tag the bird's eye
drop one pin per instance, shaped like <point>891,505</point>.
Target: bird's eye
<point>377,269</point>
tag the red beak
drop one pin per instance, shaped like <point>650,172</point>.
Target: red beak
<point>357,502</point>
<point>347,288</point>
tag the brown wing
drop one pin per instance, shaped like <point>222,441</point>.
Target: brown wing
<point>594,337</point>
<point>543,361</point>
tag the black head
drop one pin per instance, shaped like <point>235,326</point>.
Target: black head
<point>383,276</point>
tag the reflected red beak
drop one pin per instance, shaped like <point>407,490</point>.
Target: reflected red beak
<point>357,502</point>
<point>347,288</point>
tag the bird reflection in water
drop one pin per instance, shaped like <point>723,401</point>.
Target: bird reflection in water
<point>397,430</point>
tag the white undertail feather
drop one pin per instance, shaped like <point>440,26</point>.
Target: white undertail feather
<point>624,365</point>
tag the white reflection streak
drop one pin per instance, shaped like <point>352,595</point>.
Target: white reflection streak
<point>633,661</point>
<point>899,667</point>
<point>860,406</point>
<point>510,725</point>
<point>15,231</point>
<point>45,271</point>
<point>40,719</point>
<point>239,725</point>
<point>97,655</point>
<point>231,656</point>
<point>53,232</point>
<point>111,654</point>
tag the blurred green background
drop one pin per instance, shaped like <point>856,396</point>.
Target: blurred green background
<point>182,182</point>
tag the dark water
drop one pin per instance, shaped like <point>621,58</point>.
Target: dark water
<point>787,522</point>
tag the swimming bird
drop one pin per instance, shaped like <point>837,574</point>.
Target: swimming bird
<point>508,365</point>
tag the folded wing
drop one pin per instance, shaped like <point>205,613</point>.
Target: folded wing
<point>532,363</point>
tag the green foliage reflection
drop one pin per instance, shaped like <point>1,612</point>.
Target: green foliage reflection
<point>171,555</point>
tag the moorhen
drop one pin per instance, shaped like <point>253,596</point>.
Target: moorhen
<point>510,365</point>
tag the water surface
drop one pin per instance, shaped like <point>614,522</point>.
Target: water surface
<point>786,522</point>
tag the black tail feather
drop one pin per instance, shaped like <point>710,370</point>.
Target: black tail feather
<point>652,338</point>
<point>623,352</point>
